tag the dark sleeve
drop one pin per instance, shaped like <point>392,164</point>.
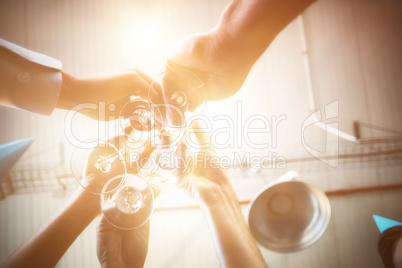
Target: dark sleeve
<point>387,243</point>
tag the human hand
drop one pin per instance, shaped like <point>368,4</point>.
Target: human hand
<point>223,56</point>
<point>221,68</point>
<point>114,89</point>
<point>118,247</point>
<point>121,248</point>
<point>209,183</point>
<point>218,200</point>
<point>99,167</point>
<point>94,167</point>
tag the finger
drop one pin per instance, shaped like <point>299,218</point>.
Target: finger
<point>145,154</point>
<point>197,98</point>
<point>144,76</point>
<point>140,87</point>
<point>114,85</point>
<point>113,108</point>
<point>180,54</point>
<point>200,133</point>
<point>195,185</point>
<point>155,97</point>
<point>148,150</point>
<point>156,191</point>
<point>150,93</point>
<point>109,112</point>
<point>104,225</point>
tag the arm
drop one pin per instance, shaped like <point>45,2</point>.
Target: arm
<point>47,245</point>
<point>121,248</point>
<point>247,28</point>
<point>223,56</point>
<point>233,241</point>
<point>218,200</point>
<point>34,82</point>
<point>114,88</point>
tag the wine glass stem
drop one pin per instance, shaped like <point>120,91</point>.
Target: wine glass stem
<point>104,163</point>
<point>110,158</point>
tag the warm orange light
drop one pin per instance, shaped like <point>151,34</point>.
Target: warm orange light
<point>145,33</point>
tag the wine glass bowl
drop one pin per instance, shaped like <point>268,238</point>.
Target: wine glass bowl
<point>94,162</point>
<point>130,205</point>
<point>179,95</point>
<point>166,162</point>
<point>150,141</point>
<point>137,120</point>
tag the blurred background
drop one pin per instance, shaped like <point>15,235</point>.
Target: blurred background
<point>341,57</point>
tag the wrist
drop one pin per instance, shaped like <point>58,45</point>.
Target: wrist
<point>66,96</point>
<point>86,201</point>
<point>231,234</point>
<point>235,244</point>
<point>236,33</point>
<point>219,201</point>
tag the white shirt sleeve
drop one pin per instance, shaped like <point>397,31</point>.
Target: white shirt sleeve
<point>28,80</point>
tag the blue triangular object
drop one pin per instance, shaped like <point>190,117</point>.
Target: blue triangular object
<point>384,223</point>
<point>11,152</point>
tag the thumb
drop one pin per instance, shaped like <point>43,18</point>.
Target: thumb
<point>186,51</point>
<point>203,138</point>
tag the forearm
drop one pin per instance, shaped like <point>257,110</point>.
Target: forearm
<point>47,245</point>
<point>234,243</point>
<point>247,27</point>
<point>108,87</point>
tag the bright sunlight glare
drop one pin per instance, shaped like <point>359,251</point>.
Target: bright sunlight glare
<point>145,33</point>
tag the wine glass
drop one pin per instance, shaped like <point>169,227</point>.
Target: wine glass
<point>137,121</point>
<point>94,162</point>
<point>179,95</point>
<point>129,205</point>
<point>166,161</point>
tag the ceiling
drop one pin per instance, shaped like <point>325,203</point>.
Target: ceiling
<point>353,49</point>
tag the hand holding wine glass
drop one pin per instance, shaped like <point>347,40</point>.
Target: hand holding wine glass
<point>127,205</point>
<point>179,95</point>
<point>138,123</point>
<point>221,68</point>
<point>114,88</point>
<point>223,56</point>
<point>209,182</point>
<point>94,162</point>
<point>126,199</point>
<point>218,200</point>
<point>121,248</point>
<point>166,161</point>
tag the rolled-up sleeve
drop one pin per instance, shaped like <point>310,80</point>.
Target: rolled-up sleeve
<point>28,80</point>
